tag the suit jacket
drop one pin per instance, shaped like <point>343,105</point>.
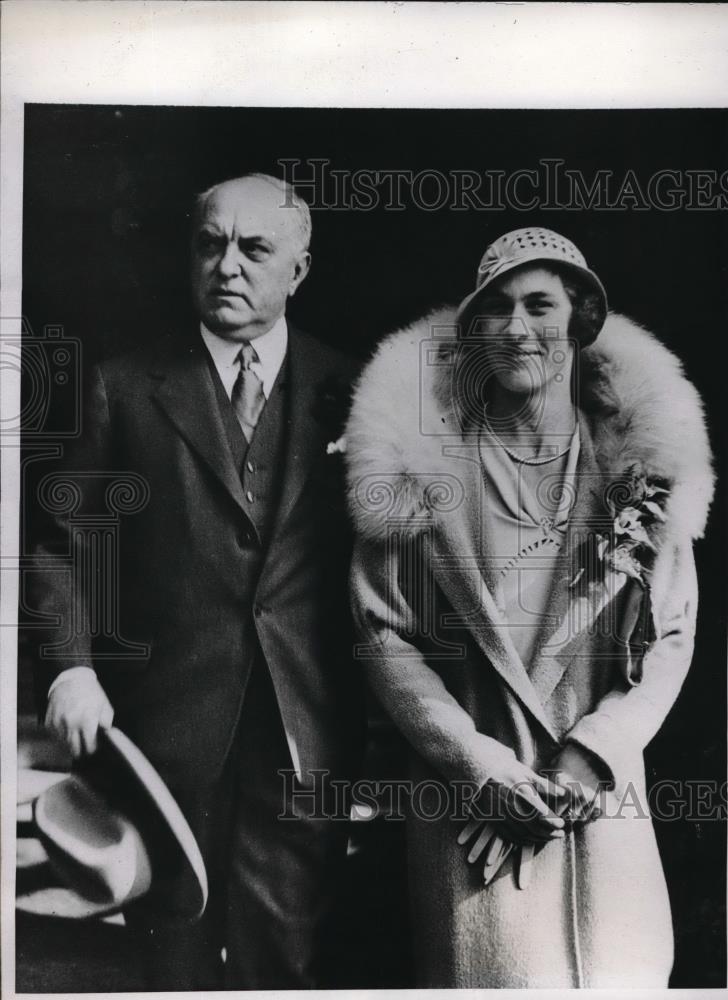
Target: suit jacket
<point>176,596</point>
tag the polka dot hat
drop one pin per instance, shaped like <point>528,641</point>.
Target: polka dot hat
<point>525,246</point>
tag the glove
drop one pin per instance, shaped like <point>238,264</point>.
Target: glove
<point>515,815</point>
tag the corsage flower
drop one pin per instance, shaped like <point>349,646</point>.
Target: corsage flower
<point>628,545</point>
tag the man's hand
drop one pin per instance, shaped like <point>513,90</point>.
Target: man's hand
<point>77,707</point>
<point>573,769</point>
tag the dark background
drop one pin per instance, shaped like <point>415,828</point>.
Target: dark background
<point>107,193</point>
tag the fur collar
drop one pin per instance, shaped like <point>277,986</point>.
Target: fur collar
<point>644,414</point>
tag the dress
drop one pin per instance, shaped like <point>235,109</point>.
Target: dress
<point>607,662</point>
<point>526,518</point>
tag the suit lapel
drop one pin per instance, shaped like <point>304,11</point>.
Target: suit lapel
<point>304,439</point>
<point>463,570</point>
<point>186,393</point>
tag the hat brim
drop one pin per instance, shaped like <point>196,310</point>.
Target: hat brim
<point>583,274</point>
<point>91,846</point>
<point>187,897</point>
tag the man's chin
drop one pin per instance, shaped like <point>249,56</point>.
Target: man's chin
<point>229,323</point>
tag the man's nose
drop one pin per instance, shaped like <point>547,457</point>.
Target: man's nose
<point>230,263</point>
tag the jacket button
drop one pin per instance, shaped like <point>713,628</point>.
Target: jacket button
<point>249,496</point>
<point>249,466</point>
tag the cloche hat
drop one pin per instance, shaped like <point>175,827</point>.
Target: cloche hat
<point>528,246</point>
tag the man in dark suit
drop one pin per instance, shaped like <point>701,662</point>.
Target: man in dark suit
<point>231,580</point>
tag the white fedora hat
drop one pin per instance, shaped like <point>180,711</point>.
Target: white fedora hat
<point>114,833</point>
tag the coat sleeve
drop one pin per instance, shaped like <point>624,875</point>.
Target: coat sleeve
<point>626,719</point>
<point>413,694</point>
<point>57,588</point>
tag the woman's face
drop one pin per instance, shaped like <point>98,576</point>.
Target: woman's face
<point>525,322</point>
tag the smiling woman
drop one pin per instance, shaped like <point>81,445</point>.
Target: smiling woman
<point>523,321</point>
<point>513,639</point>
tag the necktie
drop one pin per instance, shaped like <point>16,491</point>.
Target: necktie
<point>247,395</point>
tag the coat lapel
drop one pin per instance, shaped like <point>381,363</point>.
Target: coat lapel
<point>570,611</point>
<point>186,393</point>
<point>463,571</point>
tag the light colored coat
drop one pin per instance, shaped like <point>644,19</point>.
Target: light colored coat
<point>609,660</point>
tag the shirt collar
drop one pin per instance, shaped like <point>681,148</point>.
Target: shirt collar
<point>270,348</point>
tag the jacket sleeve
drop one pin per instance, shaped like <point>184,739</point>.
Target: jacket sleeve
<point>413,694</point>
<point>57,588</point>
<point>626,719</point>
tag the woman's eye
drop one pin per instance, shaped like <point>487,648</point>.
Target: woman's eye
<point>539,308</point>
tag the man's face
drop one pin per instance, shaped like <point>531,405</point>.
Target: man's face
<point>526,322</point>
<point>247,259</point>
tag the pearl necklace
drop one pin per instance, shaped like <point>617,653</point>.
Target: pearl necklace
<point>520,458</point>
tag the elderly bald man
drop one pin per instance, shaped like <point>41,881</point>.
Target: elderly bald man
<point>234,577</point>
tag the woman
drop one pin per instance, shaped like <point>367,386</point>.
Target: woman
<point>526,477</point>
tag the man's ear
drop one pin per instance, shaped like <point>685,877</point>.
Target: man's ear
<point>300,270</point>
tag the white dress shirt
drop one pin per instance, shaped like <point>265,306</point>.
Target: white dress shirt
<point>270,348</point>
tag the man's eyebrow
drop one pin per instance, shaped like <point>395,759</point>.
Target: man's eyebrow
<point>211,229</point>
<point>254,239</point>
<point>539,295</point>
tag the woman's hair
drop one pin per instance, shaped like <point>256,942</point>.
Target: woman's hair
<point>587,314</point>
